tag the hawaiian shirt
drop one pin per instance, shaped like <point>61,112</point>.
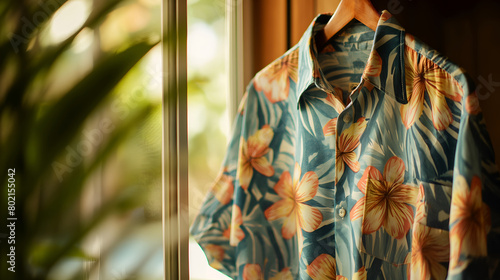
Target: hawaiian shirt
<point>368,159</point>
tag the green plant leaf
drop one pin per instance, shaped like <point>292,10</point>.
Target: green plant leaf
<point>59,124</point>
<point>39,61</point>
<point>45,59</point>
<point>68,191</point>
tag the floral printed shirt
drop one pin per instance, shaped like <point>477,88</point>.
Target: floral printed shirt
<point>368,159</point>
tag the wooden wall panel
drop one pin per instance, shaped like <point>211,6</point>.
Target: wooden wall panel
<point>269,25</point>
<point>487,72</point>
<point>269,31</point>
<point>325,6</point>
<point>302,13</point>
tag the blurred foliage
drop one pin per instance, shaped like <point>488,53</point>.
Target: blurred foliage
<point>79,125</point>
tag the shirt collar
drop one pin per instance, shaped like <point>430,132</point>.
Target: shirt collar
<point>385,66</point>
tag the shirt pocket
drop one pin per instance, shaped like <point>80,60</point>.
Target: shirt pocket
<point>433,205</point>
<point>388,216</point>
<point>430,237</point>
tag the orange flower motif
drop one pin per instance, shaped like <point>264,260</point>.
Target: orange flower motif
<point>252,272</point>
<point>430,247</point>
<point>387,200</point>
<point>346,145</point>
<point>374,65</point>
<point>336,100</point>
<point>472,104</point>
<point>323,268</point>
<point>330,127</point>
<point>284,274</point>
<point>223,189</point>
<point>274,80</point>
<point>252,156</point>
<point>385,16</point>
<point>409,39</point>
<point>292,206</point>
<point>423,75</point>
<point>470,221</point>
<point>360,274</point>
<point>215,254</point>
<point>234,232</point>
<point>368,85</point>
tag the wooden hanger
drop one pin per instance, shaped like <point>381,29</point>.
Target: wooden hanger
<point>346,11</point>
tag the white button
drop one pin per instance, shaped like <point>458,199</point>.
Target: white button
<point>342,212</point>
<point>347,118</point>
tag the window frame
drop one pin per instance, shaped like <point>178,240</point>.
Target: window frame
<point>174,142</point>
<point>235,62</point>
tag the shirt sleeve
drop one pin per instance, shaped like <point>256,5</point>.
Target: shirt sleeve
<point>475,203</point>
<point>216,226</point>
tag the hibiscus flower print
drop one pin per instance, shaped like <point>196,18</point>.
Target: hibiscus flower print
<point>472,104</point>
<point>216,255</point>
<point>330,128</point>
<point>284,274</point>
<point>234,232</point>
<point>346,146</point>
<point>422,75</point>
<point>323,268</point>
<point>374,65</point>
<point>470,221</point>
<point>430,248</point>
<point>223,189</point>
<point>252,156</point>
<point>335,100</point>
<point>274,80</point>
<point>387,202</point>
<point>252,272</point>
<point>360,274</point>
<point>292,207</point>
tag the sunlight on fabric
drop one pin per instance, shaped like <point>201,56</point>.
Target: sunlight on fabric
<point>68,19</point>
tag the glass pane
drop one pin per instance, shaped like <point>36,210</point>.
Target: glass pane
<point>208,127</point>
<point>80,123</point>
